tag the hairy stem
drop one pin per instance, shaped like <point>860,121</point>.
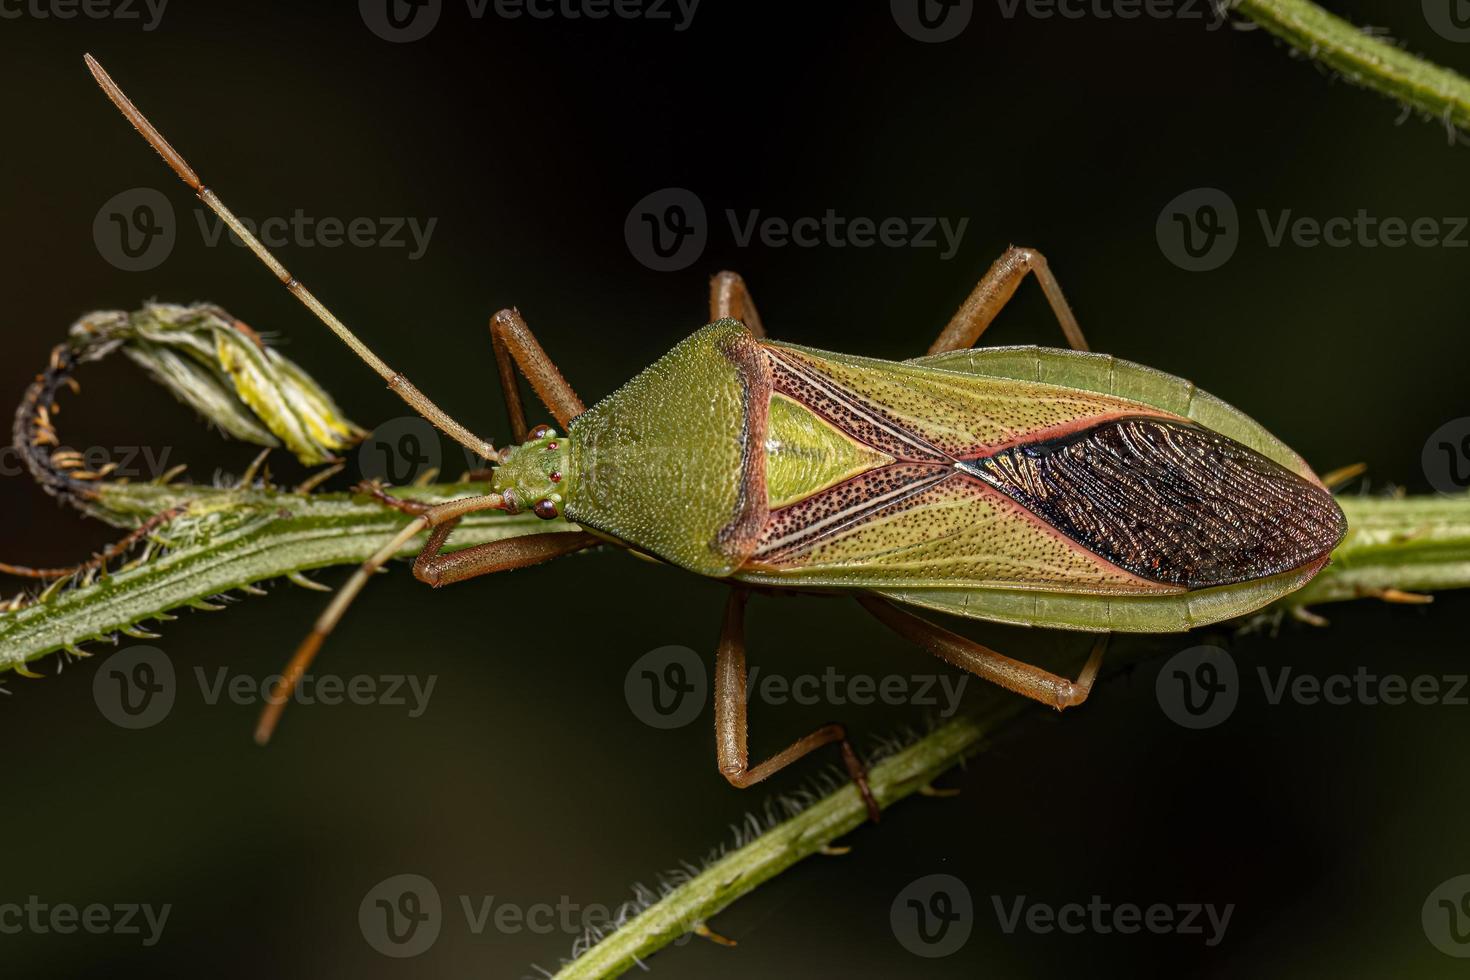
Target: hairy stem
<point>1365,59</point>
<point>225,540</point>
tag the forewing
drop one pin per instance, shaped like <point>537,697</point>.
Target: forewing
<point>1003,483</point>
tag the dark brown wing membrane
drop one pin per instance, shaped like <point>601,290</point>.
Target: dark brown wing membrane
<point>1170,501</point>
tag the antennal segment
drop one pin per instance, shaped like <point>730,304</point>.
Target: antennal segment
<point>405,389</point>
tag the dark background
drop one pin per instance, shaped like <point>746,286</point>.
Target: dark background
<point>529,778</point>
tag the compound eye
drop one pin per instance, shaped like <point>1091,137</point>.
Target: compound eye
<point>538,433</point>
<point>544,509</point>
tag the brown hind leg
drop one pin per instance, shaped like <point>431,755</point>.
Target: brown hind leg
<point>995,290</point>
<point>731,733</point>
<point>1013,675</point>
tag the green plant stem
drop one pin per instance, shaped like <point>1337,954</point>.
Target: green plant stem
<point>744,869</point>
<point>1415,544</point>
<point>227,539</point>
<point>1364,59</point>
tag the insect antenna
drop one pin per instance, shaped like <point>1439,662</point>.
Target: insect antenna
<point>416,399</point>
<point>400,385</point>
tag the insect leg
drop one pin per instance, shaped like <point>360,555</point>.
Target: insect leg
<point>728,298</point>
<point>995,290</point>
<point>516,347</point>
<point>1013,675</point>
<point>494,556</point>
<point>440,514</point>
<point>101,558</point>
<point>731,734</point>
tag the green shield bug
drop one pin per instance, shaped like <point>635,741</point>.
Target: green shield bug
<point>1054,488</point>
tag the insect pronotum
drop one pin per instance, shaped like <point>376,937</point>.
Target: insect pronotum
<point>1055,488</point>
